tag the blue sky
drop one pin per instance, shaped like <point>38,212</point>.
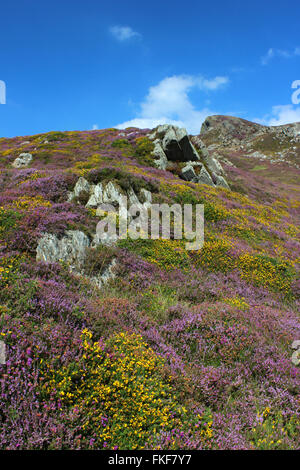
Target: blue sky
<point>75,65</point>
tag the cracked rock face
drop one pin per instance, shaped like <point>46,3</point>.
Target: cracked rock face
<point>71,249</point>
<point>172,144</point>
<point>189,173</point>
<point>161,160</point>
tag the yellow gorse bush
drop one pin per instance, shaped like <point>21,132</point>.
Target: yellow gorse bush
<point>122,383</point>
<point>92,162</point>
<point>215,255</point>
<point>27,203</point>
<point>7,152</point>
<point>271,430</point>
<point>8,269</point>
<point>238,302</point>
<point>34,176</point>
<point>275,274</point>
<point>167,254</point>
<point>262,271</point>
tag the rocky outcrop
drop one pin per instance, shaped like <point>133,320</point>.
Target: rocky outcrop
<point>109,193</point>
<point>232,131</point>
<point>221,181</point>
<point>22,161</point>
<point>224,136</point>
<point>71,249</point>
<point>228,129</point>
<point>173,145</point>
<point>196,173</point>
<point>211,163</point>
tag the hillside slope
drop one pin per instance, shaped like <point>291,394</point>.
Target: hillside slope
<point>264,151</point>
<point>177,349</point>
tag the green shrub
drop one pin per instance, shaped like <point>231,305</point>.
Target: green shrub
<point>8,220</point>
<point>212,211</point>
<point>120,384</point>
<point>120,143</point>
<point>82,198</point>
<point>55,136</point>
<point>167,254</point>
<point>143,150</point>
<point>98,259</point>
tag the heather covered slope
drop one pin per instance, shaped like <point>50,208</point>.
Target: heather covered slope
<point>271,152</point>
<point>181,350</point>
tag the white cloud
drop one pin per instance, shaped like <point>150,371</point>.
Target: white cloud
<point>212,84</point>
<point>123,33</point>
<point>279,53</point>
<point>281,114</point>
<point>2,92</point>
<point>168,102</point>
<point>95,127</point>
<point>266,58</point>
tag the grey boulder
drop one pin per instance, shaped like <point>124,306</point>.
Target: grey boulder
<point>174,142</point>
<point>22,160</point>
<point>70,248</point>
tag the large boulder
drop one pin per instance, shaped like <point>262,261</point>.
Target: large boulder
<point>204,177</point>
<point>22,161</point>
<point>70,248</point>
<point>177,145</point>
<point>174,142</point>
<point>221,181</point>
<point>188,173</point>
<point>196,173</point>
<point>161,160</point>
<point>173,145</point>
